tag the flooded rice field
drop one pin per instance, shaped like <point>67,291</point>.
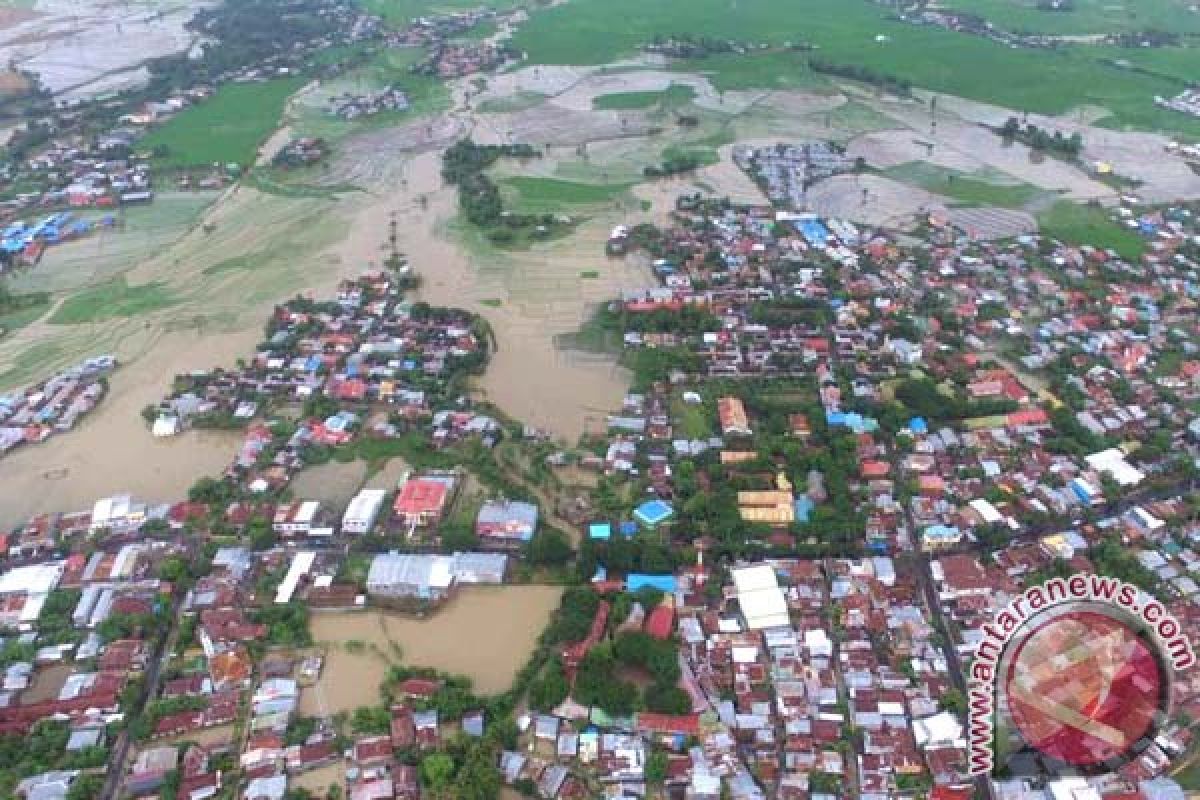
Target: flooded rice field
<point>485,633</point>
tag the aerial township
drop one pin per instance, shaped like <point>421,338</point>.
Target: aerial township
<point>844,449</point>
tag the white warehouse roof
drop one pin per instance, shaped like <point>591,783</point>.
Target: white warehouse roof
<point>761,600</point>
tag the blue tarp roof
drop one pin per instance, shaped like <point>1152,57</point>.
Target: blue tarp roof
<point>628,528</point>
<point>312,364</point>
<point>918,425</point>
<point>803,507</point>
<point>600,530</point>
<point>664,583</point>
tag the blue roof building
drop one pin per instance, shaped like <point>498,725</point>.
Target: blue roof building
<point>918,425</point>
<point>664,583</point>
<point>653,513</point>
<point>600,530</point>
<point>804,508</point>
<point>852,420</point>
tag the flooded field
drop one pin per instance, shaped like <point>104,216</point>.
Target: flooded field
<point>485,633</point>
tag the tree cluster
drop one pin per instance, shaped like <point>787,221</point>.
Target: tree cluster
<point>1041,139</point>
<point>854,72</point>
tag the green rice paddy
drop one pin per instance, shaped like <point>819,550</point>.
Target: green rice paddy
<point>861,33</point>
<point>110,300</point>
<point>228,128</point>
<point>675,95</point>
<point>1084,224</point>
<point>964,189</point>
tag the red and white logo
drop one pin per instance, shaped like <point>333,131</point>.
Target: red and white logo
<point>1085,688</point>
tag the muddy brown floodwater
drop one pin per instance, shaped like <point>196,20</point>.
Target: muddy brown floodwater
<point>485,633</point>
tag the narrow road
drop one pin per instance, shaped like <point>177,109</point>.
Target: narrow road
<point>851,758</point>
<point>154,671</point>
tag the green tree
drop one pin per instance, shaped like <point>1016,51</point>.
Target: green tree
<point>656,766</point>
<point>549,547</point>
<point>437,772</point>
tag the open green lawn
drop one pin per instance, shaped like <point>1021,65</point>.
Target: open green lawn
<point>1089,16</point>
<point>1083,224</point>
<point>113,299</point>
<point>675,95</point>
<point>845,31</point>
<point>693,420</point>
<point>963,188</point>
<point>226,128</point>
<point>548,195</point>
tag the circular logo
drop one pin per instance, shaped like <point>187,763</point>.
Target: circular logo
<point>1086,688</point>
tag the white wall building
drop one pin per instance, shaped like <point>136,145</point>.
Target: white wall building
<point>363,511</point>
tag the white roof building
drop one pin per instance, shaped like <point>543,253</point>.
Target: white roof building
<point>942,729</point>
<point>1112,462</point>
<point>363,511</point>
<point>302,562</point>
<point>117,512</point>
<point>760,598</point>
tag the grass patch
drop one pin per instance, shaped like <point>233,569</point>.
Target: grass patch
<point>590,274</point>
<point>226,129</point>
<point>962,188</point>
<point>782,69</point>
<point>229,265</point>
<point>491,302</point>
<point>845,31</point>
<point>1088,16</point>
<point>32,362</point>
<point>532,195</point>
<point>401,12</point>
<point>276,182</point>
<point>111,300</point>
<point>1189,777</point>
<point>519,101</point>
<point>692,420</point>
<point>704,155</point>
<point>674,96</point>
<point>15,320</point>
<point>1084,224</point>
